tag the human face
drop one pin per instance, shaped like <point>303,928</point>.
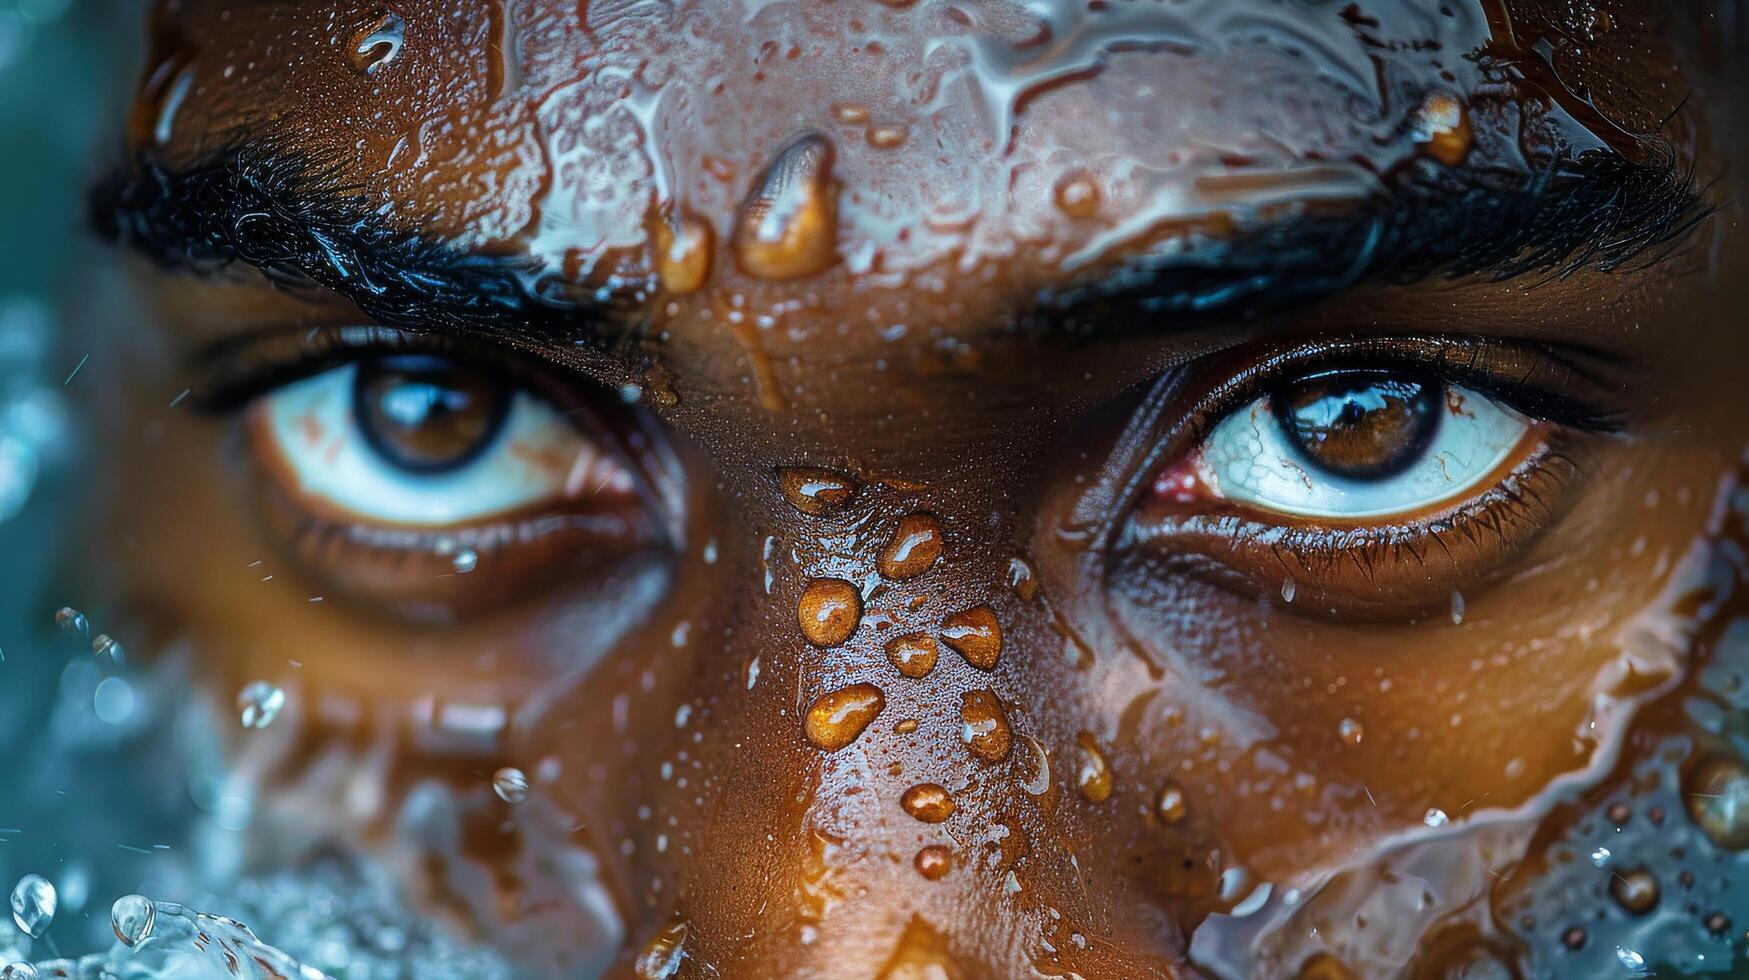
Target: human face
<point>995,485</point>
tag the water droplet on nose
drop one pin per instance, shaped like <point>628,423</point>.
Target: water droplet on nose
<point>664,952</point>
<point>69,619</point>
<point>1435,817</point>
<point>1443,130</point>
<point>815,492</point>
<point>378,44</point>
<point>1092,773</point>
<point>788,227</point>
<point>511,784</point>
<point>888,137</point>
<point>132,918</point>
<point>1350,731</point>
<point>683,253</point>
<point>33,905</point>
<point>1170,805</point>
<point>1717,794</point>
<point>838,718</point>
<point>1078,195</point>
<point>829,611</point>
<point>258,703</point>
<point>915,546</point>
<point>975,635</point>
<point>913,655</point>
<point>984,726</point>
<point>934,862</point>
<point>928,802</point>
<point>1636,891</point>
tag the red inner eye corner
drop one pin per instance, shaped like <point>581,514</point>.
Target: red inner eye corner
<point>1179,485</point>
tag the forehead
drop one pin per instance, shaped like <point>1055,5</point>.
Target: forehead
<point>1039,135</point>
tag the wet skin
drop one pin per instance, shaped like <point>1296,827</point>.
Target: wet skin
<point>1001,269</point>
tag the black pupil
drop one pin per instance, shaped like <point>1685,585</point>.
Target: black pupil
<point>427,414</point>
<point>1362,425</point>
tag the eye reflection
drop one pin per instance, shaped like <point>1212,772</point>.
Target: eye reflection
<point>1351,445</point>
<point>425,416</point>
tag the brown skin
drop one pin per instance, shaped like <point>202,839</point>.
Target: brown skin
<point>783,859</point>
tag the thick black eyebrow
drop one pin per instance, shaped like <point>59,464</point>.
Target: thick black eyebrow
<point>297,222</point>
<point>1597,210</point>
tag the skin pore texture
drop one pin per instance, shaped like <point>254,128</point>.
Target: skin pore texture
<point>891,627</point>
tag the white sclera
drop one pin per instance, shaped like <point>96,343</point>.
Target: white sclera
<point>535,456</point>
<point>1250,459</point>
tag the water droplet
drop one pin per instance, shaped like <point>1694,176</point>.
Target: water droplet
<point>915,546</point>
<point>934,862</point>
<point>1289,589</point>
<point>1717,794</point>
<point>838,718</point>
<point>1350,731</point>
<point>1629,958</point>
<point>1442,129</point>
<point>69,619</point>
<point>851,113</point>
<point>465,560</point>
<point>1170,805</point>
<point>788,227</point>
<point>1022,579</point>
<point>906,727</point>
<point>132,918</point>
<point>18,971</point>
<point>975,635</point>
<point>1435,817</point>
<point>683,253</point>
<point>664,953</point>
<point>815,492</point>
<point>829,611</point>
<point>1636,891</point>
<point>378,44</point>
<point>928,802</point>
<point>1092,773</point>
<point>1600,857</point>
<point>888,137</point>
<point>984,726</point>
<point>104,646</point>
<point>913,655</point>
<point>1457,608</point>
<point>1078,195</point>
<point>259,703</point>
<point>511,784</point>
<point>33,905</point>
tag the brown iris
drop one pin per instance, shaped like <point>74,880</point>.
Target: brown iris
<point>1362,425</point>
<point>427,414</point>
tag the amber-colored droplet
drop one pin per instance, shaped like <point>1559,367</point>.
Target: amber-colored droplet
<point>815,491</point>
<point>1443,130</point>
<point>1717,794</point>
<point>888,137</point>
<point>916,545</point>
<point>984,726</point>
<point>788,227</point>
<point>837,718</point>
<point>1169,806</point>
<point>1077,194</point>
<point>1636,891</point>
<point>934,862</point>
<point>1323,966</point>
<point>683,253</point>
<point>928,802</point>
<point>851,113</point>
<point>1092,773</point>
<point>975,635</point>
<point>913,655</point>
<point>829,611</point>
<point>664,952</point>
<point>906,727</point>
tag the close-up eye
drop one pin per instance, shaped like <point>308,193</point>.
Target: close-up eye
<point>1353,445</point>
<point>1366,492</point>
<point>429,483</point>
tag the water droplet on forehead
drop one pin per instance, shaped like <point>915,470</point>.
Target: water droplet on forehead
<point>829,611</point>
<point>132,918</point>
<point>788,227</point>
<point>1093,776</point>
<point>838,718</point>
<point>378,44</point>
<point>975,635</point>
<point>933,862</point>
<point>511,784</point>
<point>984,726</point>
<point>814,491</point>
<point>914,548</point>
<point>928,802</point>
<point>33,905</point>
<point>259,702</point>
<point>1077,195</point>
<point>683,253</point>
<point>913,655</point>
